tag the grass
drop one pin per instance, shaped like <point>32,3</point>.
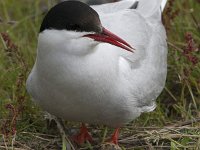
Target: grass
<point>173,125</point>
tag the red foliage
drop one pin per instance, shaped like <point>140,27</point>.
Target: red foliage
<point>190,48</point>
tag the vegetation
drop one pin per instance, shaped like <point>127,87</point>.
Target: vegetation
<point>175,124</point>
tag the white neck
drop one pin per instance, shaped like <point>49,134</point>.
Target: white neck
<point>64,41</point>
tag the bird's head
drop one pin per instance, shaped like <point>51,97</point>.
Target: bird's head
<point>77,25</point>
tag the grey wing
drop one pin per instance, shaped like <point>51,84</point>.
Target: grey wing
<point>114,7</point>
<point>148,80</point>
<point>133,28</point>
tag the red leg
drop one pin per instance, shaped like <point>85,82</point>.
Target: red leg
<point>115,136</point>
<point>83,136</point>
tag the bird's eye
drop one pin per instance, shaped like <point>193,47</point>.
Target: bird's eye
<point>73,27</point>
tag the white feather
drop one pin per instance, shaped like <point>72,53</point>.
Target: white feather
<point>163,4</point>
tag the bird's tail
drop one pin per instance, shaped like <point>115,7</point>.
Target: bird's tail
<point>150,8</point>
<point>163,3</point>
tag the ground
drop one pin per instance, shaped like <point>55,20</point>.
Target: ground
<point>173,125</point>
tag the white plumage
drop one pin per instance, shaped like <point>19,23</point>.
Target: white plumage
<point>79,79</point>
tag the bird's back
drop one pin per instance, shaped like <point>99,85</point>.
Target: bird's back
<point>143,72</point>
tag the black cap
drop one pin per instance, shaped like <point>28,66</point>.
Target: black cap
<point>72,15</point>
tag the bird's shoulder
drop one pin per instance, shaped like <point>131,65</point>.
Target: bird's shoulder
<point>133,28</point>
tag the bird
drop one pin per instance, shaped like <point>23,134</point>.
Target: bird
<point>103,64</point>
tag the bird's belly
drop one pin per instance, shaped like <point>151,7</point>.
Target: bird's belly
<point>91,105</point>
<point>96,98</point>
